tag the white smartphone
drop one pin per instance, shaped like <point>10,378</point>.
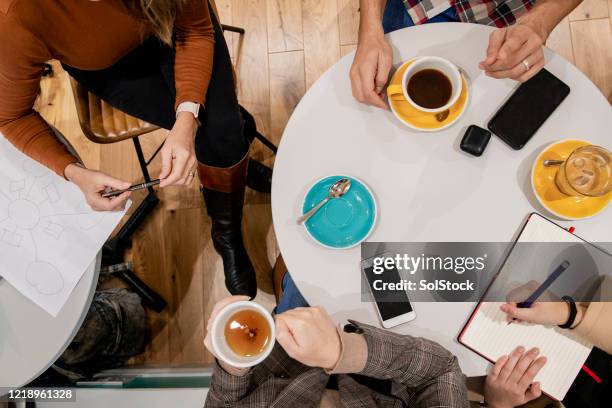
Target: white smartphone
<point>394,313</point>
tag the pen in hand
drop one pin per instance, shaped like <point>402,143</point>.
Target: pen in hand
<point>135,187</point>
<point>545,285</point>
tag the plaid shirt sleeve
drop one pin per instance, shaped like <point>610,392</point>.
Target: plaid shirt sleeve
<point>499,13</point>
<point>429,371</point>
<point>227,389</point>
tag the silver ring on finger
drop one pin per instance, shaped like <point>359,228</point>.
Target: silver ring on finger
<point>526,65</point>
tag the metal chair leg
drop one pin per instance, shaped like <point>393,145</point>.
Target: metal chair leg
<point>257,135</point>
<point>232,29</point>
<point>114,248</point>
<point>143,163</point>
<point>121,240</point>
<point>266,142</point>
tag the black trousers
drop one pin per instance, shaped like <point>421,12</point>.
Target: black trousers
<point>142,85</point>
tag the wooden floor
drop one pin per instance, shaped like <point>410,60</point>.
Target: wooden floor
<point>287,46</point>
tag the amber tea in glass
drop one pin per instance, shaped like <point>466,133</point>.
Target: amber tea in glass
<point>587,172</point>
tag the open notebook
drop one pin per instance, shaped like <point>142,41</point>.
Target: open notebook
<point>488,334</point>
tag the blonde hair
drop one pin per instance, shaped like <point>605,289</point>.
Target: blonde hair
<point>159,15</point>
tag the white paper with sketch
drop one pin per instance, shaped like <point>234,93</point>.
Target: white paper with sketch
<point>48,233</point>
<point>490,335</point>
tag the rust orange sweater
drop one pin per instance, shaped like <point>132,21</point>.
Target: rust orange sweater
<point>89,35</point>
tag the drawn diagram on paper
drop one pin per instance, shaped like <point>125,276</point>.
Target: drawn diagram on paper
<point>48,233</point>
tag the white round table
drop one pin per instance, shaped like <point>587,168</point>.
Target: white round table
<point>427,189</point>
<point>30,338</point>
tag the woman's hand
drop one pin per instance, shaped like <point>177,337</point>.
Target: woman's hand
<point>179,163</point>
<point>515,52</point>
<point>549,310</point>
<point>370,70</point>
<point>94,183</point>
<point>510,383</point>
<point>546,313</point>
<point>309,336</point>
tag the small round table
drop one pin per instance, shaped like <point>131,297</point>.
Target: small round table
<point>427,189</point>
<point>30,338</point>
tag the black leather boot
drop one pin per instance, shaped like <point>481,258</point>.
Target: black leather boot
<point>223,190</point>
<point>250,127</point>
<point>259,176</point>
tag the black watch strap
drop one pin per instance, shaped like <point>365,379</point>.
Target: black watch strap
<point>573,311</point>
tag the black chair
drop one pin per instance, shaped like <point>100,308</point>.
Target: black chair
<point>265,141</point>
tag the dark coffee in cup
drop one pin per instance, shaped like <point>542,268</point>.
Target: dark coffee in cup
<point>430,88</point>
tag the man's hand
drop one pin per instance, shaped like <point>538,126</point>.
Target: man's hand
<point>370,70</point>
<point>509,47</point>
<point>309,336</point>
<point>515,52</point>
<point>510,383</point>
<point>208,341</point>
<point>94,183</point>
<point>179,163</point>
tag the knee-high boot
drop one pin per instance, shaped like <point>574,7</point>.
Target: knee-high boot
<point>259,176</point>
<point>223,190</point>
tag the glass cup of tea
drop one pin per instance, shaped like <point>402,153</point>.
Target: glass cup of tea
<point>586,172</point>
<point>243,334</point>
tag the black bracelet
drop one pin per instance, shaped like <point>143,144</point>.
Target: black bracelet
<point>573,311</point>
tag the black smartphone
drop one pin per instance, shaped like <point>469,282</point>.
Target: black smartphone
<point>528,108</point>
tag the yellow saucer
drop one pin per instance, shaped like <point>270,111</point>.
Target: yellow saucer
<point>547,193</point>
<point>424,121</point>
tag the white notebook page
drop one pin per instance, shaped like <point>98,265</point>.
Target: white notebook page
<point>539,229</point>
<point>490,335</point>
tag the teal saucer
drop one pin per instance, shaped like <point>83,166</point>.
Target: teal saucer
<point>342,222</point>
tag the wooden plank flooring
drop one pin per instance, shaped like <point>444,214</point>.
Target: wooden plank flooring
<point>285,26</point>
<point>287,86</point>
<point>590,9</point>
<point>288,44</point>
<point>321,37</point>
<point>590,37</point>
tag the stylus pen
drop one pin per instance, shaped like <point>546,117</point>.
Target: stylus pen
<point>132,188</point>
<point>545,285</point>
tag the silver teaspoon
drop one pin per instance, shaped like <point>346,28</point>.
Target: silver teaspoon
<point>550,163</point>
<point>338,189</point>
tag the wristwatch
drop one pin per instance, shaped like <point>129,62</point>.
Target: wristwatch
<point>572,315</point>
<point>191,107</point>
